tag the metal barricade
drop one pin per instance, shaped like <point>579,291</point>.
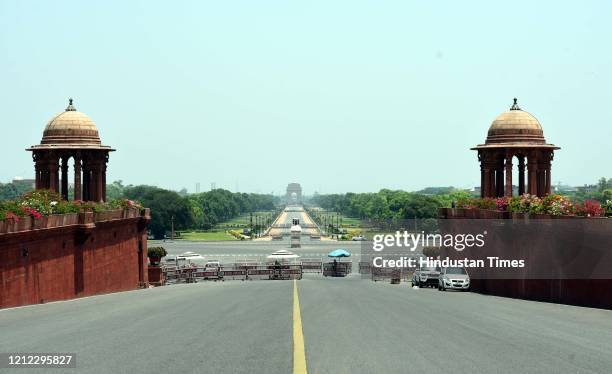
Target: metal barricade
<point>291,272</point>
<point>239,274</point>
<point>312,265</point>
<point>337,269</point>
<point>259,272</point>
<point>365,267</point>
<point>202,273</point>
<point>171,274</point>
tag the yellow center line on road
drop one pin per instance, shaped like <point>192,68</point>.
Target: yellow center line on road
<point>299,354</point>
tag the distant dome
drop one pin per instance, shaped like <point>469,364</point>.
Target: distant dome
<point>71,128</point>
<point>515,126</point>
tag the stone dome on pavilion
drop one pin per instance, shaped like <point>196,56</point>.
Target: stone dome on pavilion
<point>71,129</point>
<point>515,134</point>
<point>515,128</point>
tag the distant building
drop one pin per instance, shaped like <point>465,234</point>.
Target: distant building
<point>294,194</point>
<point>587,188</point>
<point>564,189</point>
<point>21,182</point>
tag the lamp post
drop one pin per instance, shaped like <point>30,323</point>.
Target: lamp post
<point>172,228</point>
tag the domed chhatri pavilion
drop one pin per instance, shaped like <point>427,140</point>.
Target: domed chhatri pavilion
<point>515,133</point>
<point>72,134</point>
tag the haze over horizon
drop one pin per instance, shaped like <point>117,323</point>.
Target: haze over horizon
<point>336,96</point>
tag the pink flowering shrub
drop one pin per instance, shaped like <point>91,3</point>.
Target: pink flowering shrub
<point>40,203</point>
<point>590,208</point>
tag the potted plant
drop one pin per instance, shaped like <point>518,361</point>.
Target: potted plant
<point>155,254</point>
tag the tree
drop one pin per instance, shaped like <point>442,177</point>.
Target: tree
<point>165,205</point>
<point>115,190</point>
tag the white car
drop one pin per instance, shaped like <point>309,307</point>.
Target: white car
<point>358,238</point>
<point>212,265</point>
<point>454,278</point>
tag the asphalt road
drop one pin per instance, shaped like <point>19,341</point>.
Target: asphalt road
<point>230,251</point>
<point>350,325</point>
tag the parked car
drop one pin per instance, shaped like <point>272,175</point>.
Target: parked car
<point>358,238</point>
<point>212,265</point>
<point>454,278</point>
<point>426,277</point>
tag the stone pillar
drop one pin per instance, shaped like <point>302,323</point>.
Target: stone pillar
<point>64,190</point>
<point>100,182</point>
<point>486,187</point>
<point>53,166</point>
<point>93,182</point>
<point>532,182</point>
<point>521,175</point>
<point>37,172</point>
<point>482,181</point>
<point>540,180</point>
<point>499,181</point>
<point>104,176</point>
<point>509,175</point>
<point>77,177</point>
<point>547,186</point>
<point>86,178</point>
<point>44,174</point>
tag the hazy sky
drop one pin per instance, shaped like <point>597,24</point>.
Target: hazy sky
<point>337,95</point>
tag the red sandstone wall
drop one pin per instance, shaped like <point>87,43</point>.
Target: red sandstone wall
<point>544,251</point>
<point>61,263</point>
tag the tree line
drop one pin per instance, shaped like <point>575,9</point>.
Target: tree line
<point>194,211</point>
<point>388,204</point>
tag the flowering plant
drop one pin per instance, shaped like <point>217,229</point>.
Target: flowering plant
<point>124,204</point>
<point>27,211</point>
<point>40,203</point>
<point>608,207</point>
<point>11,216</point>
<point>558,205</point>
<point>590,208</point>
<point>526,204</point>
<point>502,203</point>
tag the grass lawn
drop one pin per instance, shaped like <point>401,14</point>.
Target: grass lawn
<point>243,220</point>
<point>206,236</point>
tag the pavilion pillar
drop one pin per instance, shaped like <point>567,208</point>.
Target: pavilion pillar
<point>546,180</point>
<point>100,182</point>
<point>86,178</point>
<point>64,190</point>
<point>44,174</point>
<point>540,181</point>
<point>77,177</point>
<point>521,175</point>
<point>37,170</point>
<point>53,167</point>
<point>482,181</point>
<point>509,175</point>
<point>103,172</point>
<point>93,182</point>
<point>486,187</point>
<point>547,186</point>
<point>532,182</point>
<point>499,175</point>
